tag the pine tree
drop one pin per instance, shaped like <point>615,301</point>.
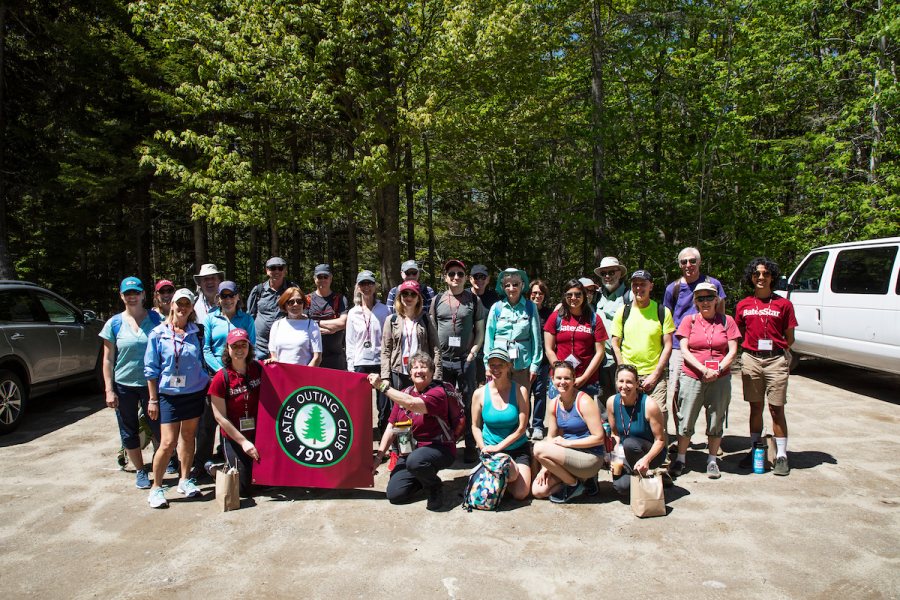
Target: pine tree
<point>314,428</point>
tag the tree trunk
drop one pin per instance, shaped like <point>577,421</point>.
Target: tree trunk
<point>429,201</point>
<point>256,264</point>
<point>230,255</point>
<point>410,201</point>
<point>877,112</point>
<point>598,100</point>
<point>199,244</point>
<point>6,267</point>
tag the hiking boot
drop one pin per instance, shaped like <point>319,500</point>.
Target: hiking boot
<point>435,498</point>
<point>157,498</point>
<point>712,470</point>
<point>591,488</point>
<point>747,461</point>
<point>188,488</point>
<point>141,480</point>
<point>567,493</point>
<point>782,467</point>
<point>676,468</point>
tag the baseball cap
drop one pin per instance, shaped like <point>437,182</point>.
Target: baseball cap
<point>456,262</point>
<point>587,282</point>
<point>705,287</point>
<point>164,283</point>
<point>236,335</point>
<point>499,353</point>
<point>642,274</point>
<point>365,276</point>
<point>131,284</point>
<point>322,269</point>
<point>275,261</point>
<point>228,285</point>
<point>479,270</point>
<point>409,285</point>
<point>184,293</point>
<point>409,265</point>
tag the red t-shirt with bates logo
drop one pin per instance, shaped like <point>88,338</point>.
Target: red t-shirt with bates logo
<point>242,395</point>
<point>575,337</point>
<point>766,319</point>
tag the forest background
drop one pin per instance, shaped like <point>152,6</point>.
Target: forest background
<point>153,136</point>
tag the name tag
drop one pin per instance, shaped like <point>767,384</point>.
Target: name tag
<point>764,345</point>
<point>247,424</point>
<point>712,365</point>
<point>573,360</point>
<point>513,351</point>
<point>455,341</point>
<point>177,381</point>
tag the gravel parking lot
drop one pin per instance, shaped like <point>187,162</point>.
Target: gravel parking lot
<point>75,526</point>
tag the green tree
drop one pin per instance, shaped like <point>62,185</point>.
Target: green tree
<point>314,428</point>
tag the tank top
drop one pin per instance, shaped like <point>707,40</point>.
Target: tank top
<point>632,421</point>
<point>573,425</point>
<point>498,424</point>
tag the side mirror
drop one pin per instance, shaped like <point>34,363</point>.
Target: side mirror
<point>89,316</point>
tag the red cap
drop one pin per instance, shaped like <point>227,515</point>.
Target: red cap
<point>237,335</point>
<point>163,283</point>
<point>454,261</point>
<point>409,284</point>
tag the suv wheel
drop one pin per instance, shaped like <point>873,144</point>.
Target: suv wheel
<point>12,401</point>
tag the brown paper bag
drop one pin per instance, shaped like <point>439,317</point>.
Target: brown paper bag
<point>647,498</point>
<point>228,488</point>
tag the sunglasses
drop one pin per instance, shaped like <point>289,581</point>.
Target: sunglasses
<point>167,290</point>
<point>574,295</point>
<point>452,274</point>
<point>411,273</point>
<point>408,294</point>
<point>685,261</point>
<point>479,276</point>
<point>608,273</point>
<point>227,296</point>
<point>276,268</point>
<point>705,298</point>
<point>759,274</point>
<point>295,301</point>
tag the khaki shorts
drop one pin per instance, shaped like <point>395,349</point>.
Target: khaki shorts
<point>659,393</point>
<point>765,378</point>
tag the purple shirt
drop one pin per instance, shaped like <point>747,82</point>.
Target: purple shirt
<point>685,305</point>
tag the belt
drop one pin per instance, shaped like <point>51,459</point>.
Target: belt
<point>765,353</point>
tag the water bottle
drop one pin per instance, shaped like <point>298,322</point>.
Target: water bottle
<point>759,458</point>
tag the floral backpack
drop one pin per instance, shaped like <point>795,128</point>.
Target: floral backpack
<point>487,482</point>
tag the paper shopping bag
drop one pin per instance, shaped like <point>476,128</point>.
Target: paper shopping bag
<point>228,487</point>
<point>647,498</point>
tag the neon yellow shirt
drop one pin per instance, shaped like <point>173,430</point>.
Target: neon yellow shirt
<point>643,343</point>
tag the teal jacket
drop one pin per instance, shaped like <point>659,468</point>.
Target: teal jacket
<point>516,326</point>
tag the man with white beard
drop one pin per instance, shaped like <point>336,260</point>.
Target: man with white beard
<point>610,296</point>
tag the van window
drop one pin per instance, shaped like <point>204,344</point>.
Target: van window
<point>809,276</point>
<point>863,270</point>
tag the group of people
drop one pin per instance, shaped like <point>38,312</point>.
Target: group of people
<point>563,390</point>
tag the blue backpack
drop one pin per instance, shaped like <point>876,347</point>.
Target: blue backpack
<point>487,483</point>
<point>115,323</point>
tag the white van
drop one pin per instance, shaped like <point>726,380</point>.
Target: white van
<point>847,300</point>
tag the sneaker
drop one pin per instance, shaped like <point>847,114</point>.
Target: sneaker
<point>747,461</point>
<point>188,488</point>
<point>591,488</point>
<point>537,434</point>
<point>157,498</point>
<point>712,470</point>
<point>435,498</point>
<point>141,480</point>
<point>676,468</point>
<point>781,466</point>
<point>172,467</point>
<point>212,468</point>
<point>567,493</point>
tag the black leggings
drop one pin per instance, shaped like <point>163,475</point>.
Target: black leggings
<point>234,454</point>
<point>416,471</point>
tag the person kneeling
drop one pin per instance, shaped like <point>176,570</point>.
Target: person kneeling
<point>573,453</point>
<point>415,421</point>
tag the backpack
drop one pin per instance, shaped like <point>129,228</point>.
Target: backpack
<point>253,362</point>
<point>454,426</point>
<point>530,309</point>
<point>660,314</point>
<point>115,324</point>
<point>593,321</point>
<point>487,482</point>
<point>676,291</point>
<point>335,303</point>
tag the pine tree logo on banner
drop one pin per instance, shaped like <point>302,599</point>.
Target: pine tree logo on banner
<point>314,427</point>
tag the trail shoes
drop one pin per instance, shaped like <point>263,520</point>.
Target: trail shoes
<point>157,498</point>
<point>590,486</point>
<point>141,480</point>
<point>712,470</point>
<point>435,498</point>
<point>188,488</point>
<point>172,467</point>
<point>537,434</point>
<point>781,466</point>
<point>676,468</point>
<point>567,493</point>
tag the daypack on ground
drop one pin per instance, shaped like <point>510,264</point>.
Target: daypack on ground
<point>487,483</point>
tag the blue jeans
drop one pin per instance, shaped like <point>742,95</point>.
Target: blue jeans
<point>539,395</point>
<point>130,398</point>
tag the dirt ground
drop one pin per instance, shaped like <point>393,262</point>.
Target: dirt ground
<point>74,526</point>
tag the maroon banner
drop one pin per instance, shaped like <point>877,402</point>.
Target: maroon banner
<point>314,428</point>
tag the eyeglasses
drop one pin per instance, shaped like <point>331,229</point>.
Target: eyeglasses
<point>685,261</point>
<point>705,298</point>
<point>758,274</point>
<point>479,276</point>
<point>276,268</point>
<point>574,295</point>
<point>411,273</point>
<point>295,302</point>
<point>608,273</point>
<point>227,296</point>
<point>323,276</point>
<point>537,293</point>
<point>166,291</point>
<point>452,274</point>
<point>408,294</point>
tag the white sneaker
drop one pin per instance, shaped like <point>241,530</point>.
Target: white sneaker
<point>157,498</point>
<point>188,487</point>
<point>538,434</point>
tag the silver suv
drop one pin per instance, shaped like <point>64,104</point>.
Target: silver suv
<point>45,343</point>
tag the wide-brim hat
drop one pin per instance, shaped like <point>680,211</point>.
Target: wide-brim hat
<point>505,273</point>
<point>207,270</point>
<point>610,261</point>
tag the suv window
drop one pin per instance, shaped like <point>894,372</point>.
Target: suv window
<point>56,310</point>
<point>809,277</point>
<point>863,270</point>
<point>16,307</point>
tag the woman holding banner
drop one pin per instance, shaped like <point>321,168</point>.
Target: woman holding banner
<point>235,402</point>
<point>416,422</point>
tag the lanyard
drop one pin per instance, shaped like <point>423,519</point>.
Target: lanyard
<point>709,331</point>
<point>631,416</point>
<point>175,350</point>
<point>765,320</point>
<point>453,310</point>
<point>367,319</point>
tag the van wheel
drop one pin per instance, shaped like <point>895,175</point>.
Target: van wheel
<point>13,397</point>
<point>795,361</point>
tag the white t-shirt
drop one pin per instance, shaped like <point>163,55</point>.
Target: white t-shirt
<point>294,341</point>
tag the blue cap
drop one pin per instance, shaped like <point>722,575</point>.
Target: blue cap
<point>131,284</point>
